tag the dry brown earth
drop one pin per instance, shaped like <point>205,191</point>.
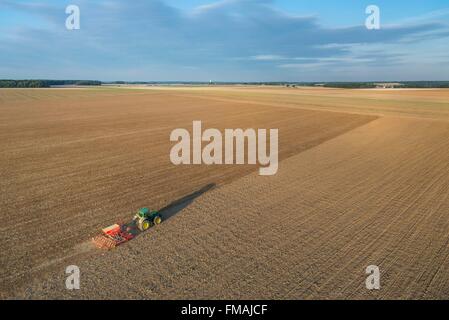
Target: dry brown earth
<point>74,161</point>
<point>351,191</point>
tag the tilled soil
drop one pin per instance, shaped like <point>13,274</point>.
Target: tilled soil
<point>74,161</point>
<point>377,195</point>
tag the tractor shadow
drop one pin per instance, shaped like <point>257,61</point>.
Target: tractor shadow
<point>176,206</point>
<point>126,231</point>
<point>170,210</point>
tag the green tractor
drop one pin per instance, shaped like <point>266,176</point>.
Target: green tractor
<point>145,219</point>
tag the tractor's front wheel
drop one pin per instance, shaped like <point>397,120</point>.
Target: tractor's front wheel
<point>144,225</point>
<point>157,220</point>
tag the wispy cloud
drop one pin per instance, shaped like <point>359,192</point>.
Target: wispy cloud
<point>267,57</point>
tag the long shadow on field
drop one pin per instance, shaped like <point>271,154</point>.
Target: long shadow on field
<point>123,232</point>
<point>176,206</point>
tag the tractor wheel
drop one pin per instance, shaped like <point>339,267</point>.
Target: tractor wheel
<point>144,225</point>
<point>157,220</point>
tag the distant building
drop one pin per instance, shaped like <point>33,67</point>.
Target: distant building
<point>388,85</point>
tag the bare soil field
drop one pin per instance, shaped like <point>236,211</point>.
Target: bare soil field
<point>415,103</point>
<point>364,180</point>
<point>74,161</point>
<point>309,232</point>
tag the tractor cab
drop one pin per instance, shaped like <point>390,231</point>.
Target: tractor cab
<point>145,218</point>
<point>143,212</point>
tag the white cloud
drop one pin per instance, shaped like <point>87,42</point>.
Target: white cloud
<point>268,57</point>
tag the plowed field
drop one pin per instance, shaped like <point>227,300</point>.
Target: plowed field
<point>363,181</point>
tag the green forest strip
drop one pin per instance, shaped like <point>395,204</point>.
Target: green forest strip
<point>46,83</point>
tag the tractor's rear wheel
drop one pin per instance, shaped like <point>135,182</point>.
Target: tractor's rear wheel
<point>144,224</point>
<point>157,220</point>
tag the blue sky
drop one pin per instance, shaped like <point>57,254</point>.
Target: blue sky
<point>227,40</point>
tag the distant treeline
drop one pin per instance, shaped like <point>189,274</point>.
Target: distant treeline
<point>349,85</point>
<point>425,84</point>
<point>46,83</point>
<point>346,85</point>
<point>398,84</point>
